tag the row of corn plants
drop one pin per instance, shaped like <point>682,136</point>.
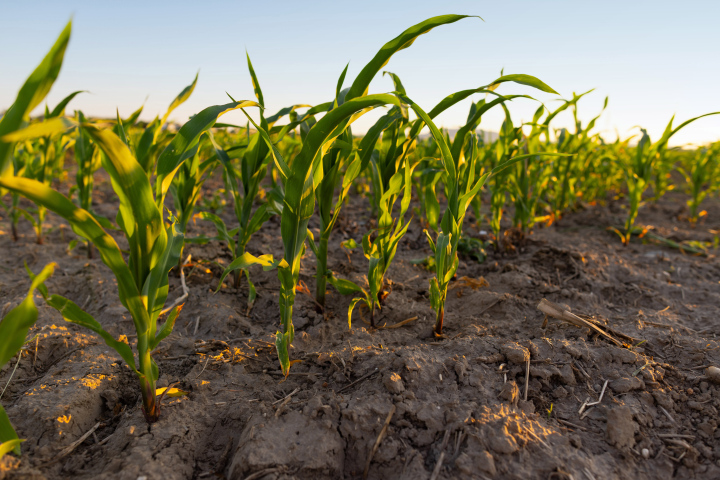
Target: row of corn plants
<point>303,159</point>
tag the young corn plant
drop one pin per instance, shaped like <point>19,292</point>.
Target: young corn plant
<point>244,187</point>
<point>14,328</point>
<point>392,179</point>
<point>88,160</point>
<point>639,171</point>
<point>302,175</point>
<point>701,172</point>
<point>341,157</point>
<point>40,155</point>
<point>461,186</point>
<point>529,179</point>
<point>154,248</point>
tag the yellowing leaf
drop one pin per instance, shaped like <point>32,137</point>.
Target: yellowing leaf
<point>173,392</point>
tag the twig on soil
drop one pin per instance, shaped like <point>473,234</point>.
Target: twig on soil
<point>68,450</point>
<point>364,377</point>
<point>378,440</point>
<point>556,311</point>
<point>572,425</point>
<point>492,304</point>
<point>438,465</point>
<point>186,292</point>
<point>676,435</point>
<point>667,414</point>
<point>19,355</point>
<point>591,404</point>
<point>538,438</point>
<point>206,364</point>
<point>281,407</point>
<point>264,472</point>
<point>286,397</point>
<point>527,378</point>
<point>197,324</point>
<point>399,324</point>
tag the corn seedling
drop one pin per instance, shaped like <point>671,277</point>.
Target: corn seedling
<point>154,248</point>
<point>701,172</point>
<point>392,180</point>
<point>639,171</point>
<point>302,175</point>
<point>461,186</point>
<point>88,159</point>
<point>244,188</point>
<point>14,328</point>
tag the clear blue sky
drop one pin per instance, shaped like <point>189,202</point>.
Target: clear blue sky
<point>653,58</point>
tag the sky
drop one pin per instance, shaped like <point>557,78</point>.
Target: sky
<point>654,59</point>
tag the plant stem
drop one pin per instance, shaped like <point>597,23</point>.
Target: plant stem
<point>321,275</point>
<point>147,382</point>
<point>439,321</point>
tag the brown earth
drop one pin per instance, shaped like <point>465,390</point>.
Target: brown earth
<point>458,403</point>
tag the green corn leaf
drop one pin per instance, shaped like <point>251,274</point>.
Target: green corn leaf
<point>133,116</point>
<point>60,107</point>
<point>523,79</point>
<point>144,148</point>
<point>360,86</point>
<point>244,261</point>
<point>155,289</point>
<point>10,445</point>
<point>351,307</point>
<point>74,314</point>
<point>84,224</point>
<point>34,90</point>
<point>46,128</point>
<point>345,287</point>
<point>15,325</point>
<point>180,99</point>
<point>166,329</point>
<point>222,232</point>
<point>138,215</point>
<point>172,156</point>
<point>446,157</point>
<point>256,84</point>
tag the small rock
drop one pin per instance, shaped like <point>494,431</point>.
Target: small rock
<point>626,384</point>
<point>620,427</point>
<point>567,375</point>
<point>516,353</point>
<point>502,442</point>
<point>485,462</point>
<point>510,392</point>
<point>527,407</point>
<point>645,453</point>
<point>560,392</point>
<point>393,383</point>
<point>713,374</point>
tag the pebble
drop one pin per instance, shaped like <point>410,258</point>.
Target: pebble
<point>713,374</point>
<point>516,353</point>
<point>393,382</point>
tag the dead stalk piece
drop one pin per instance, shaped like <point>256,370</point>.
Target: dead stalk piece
<point>586,404</point>
<point>438,465</point>
<point>287,396</point>
<point>377,442</point>
<point>556,311</point>
<point>186,292</point>
<point>364,377</point>
<point>68,450</point>
<point>527,378</point>
<point>399,324</point>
